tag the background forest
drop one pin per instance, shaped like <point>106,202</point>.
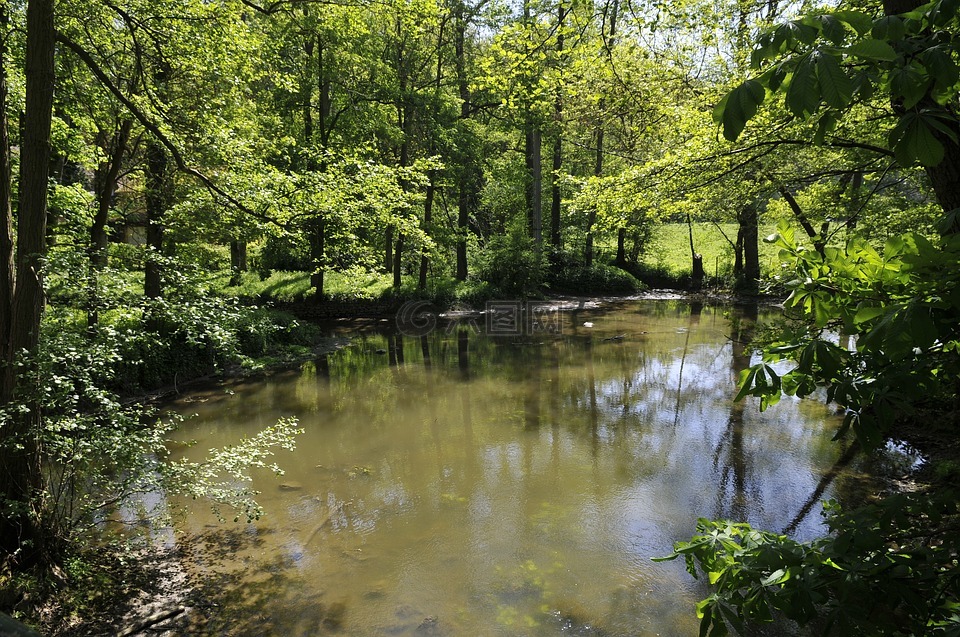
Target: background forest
<point>163,165</point>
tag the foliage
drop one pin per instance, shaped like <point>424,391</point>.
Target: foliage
<point>512,264</point>
<point>218,476</point>
<point>887,568</point>
<point>826,64</point>
<point>902,303</point>
<point>596,279</point>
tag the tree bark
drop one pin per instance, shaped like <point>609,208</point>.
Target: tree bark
<point>556,239</point>
<point>534,191</point>
<point>155,179</point>
<point>608,32</point>
<point>238,260</point>
<point>621,247</point>
<point>105,187</point>
<point>398,261</point>
<point>20,475</point>
<point>749,220</point>
<point>7,270</point>
<point>318,239</point>
<point>465,196</point>
<point>427,220</point>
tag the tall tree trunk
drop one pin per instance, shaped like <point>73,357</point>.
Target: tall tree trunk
<point>427,220</point>
<point>749,220</point>
<point>6,209</point>
<point>534,182</point>
<point>592,214</point>
<point>405,121</point>
<point>105,187</point>
<point>466,184</point>
<point>608,33</point>
<point>315,227</point>
<point>621,247</point>
<point>318,239</point>
<point>388,248</point>
<point>156,176</point>
<point>398,261</point>
<point>533,159</point>
<point>555,238</point>
<point>20,475</point>
<point>105,180</point>
<point>238,260</point>
<point>696,271</point>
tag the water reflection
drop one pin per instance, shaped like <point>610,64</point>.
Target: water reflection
<point>464,484</point>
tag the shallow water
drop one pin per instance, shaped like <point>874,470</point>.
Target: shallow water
<point>463,483</point>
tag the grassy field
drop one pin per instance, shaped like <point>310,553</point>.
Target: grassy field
<point>667,256</point>
<point>668,251</point>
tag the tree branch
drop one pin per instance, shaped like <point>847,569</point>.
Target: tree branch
<point>154,130</point>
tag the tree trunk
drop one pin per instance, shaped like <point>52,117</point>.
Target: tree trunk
<point>155,179</point>
<point>465,197</point>
<point>6,209</point>
<point>427,220</point>
<point>696,268</point>
<point>749,220</point>
<point>20,475</point>
<point>592,214</point>
<point>534,191</point>
<point>388,249</point>
<point>398,261</point>
<point>105,187</point>
<point>621,247</point>
<point>318,237</point>
<point>105,180</point>
<point>555,238</point>
<point>238,260</point>
<point>608,32</point>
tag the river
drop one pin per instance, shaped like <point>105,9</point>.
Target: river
<point>505,477</point>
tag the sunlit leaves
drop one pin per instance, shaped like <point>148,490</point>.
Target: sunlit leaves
<point>880,555</point>
<point>829,62</point>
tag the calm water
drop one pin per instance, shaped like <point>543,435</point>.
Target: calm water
<point>468,484</point>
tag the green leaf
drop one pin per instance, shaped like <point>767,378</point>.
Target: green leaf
<point>861,22</point>
<point>832,28</point>
<point>868,313</point>
<point>803,93</point>
<point>941,67</point>
<point>835,86</point>
<point>826,124</point>
<point>913,141</point>
<point>909,83</point>
<point>779,576</point>
<point>739,106</point>
<point>890,28</point>
<point>872,49</point>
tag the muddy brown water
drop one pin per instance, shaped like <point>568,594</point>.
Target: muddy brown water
<point>506,479</point>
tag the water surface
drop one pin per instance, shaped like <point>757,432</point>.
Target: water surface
<point>463,483</point>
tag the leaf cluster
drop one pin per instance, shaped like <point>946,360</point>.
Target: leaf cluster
<point>888,568</point>
<point>826,64</point>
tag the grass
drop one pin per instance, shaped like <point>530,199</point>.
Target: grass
<point>292,287</point>
<point>668,252</point>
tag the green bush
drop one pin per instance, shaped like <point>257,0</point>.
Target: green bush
<point>512,265</point>
<point>285,252</point>
<point>596,279</point>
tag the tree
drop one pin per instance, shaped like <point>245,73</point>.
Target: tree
<point>20,535</point>
<point>827,64</point>
<point>888,567</point>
